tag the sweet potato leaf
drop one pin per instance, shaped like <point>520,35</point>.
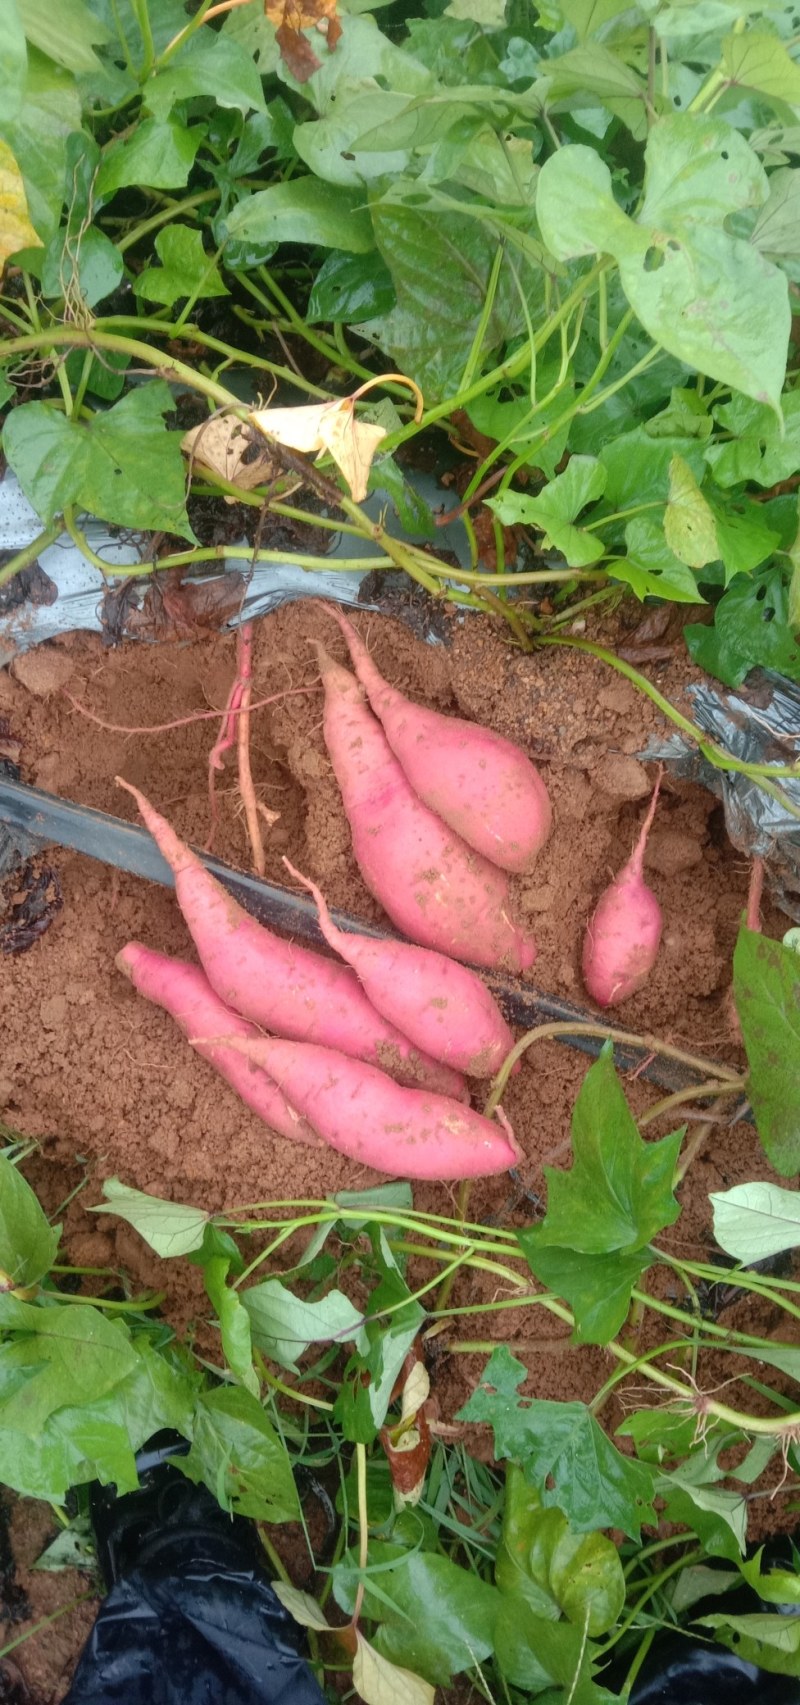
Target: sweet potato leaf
<point>676,258</point>
<point>238,1454</point>
<point>160,154</point>
<point>51,1354</point>
<point>562,1451</point>
<point>185,270</point>
<point>436,1618</point>
<point>766,985</point>
<point>751,627</point>
<point>170,1228</point>
<point>208,64</point>
<point>28,1242</point>
<point>284,1325</point>
<point>618,1194</point>
<point>123,466</point>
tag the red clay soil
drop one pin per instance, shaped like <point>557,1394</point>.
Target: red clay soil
<point>104,1080</point>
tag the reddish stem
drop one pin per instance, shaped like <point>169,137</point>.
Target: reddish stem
<point>222,744</point>
<point>246,788</point>
<point>754,893</point>
<point>183,721</point>
<point>637,856</point>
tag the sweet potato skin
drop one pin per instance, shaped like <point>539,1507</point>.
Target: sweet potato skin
<point>438,891</point>
<point>278,985</point>
<point>441,1006</point>
<point>362,1113</point>
<point>480,784</point>
<point>186,994</point>
<point>624,934</point>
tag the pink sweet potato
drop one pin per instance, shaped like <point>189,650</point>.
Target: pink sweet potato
<point>185,993</point>
<point>441,1006</point>
<point>435,888</point>
<point>624,934</point>
<point>280,986</point>
<point>362,1113</point>
<point>480,784</point>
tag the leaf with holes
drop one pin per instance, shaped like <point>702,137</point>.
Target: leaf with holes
<point>123,465</point>
<point>751,627</point>
<point>562,1452</point>
<point>760,447</point>
<point>676,259</point>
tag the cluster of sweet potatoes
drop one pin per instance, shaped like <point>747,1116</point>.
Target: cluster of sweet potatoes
<point>371,1055</point>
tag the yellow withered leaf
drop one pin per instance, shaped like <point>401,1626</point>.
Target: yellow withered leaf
<point>224,445</point>
<point>16,230</point>
<point>327,426</point>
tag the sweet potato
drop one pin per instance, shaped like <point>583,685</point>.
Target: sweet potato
<point>435,888</point>
<point>185,993</point>
<point>440,1005</point>
<point>480,784</point>
<point>623,937</point>
<point>362,1113</point>
<point>278,985</point>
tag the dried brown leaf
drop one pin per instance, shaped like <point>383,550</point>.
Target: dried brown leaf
<point>225,446</point>
<point>290,18</point>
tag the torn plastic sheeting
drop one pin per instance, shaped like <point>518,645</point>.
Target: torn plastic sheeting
<point>760,724</point>
<point>80,587</point>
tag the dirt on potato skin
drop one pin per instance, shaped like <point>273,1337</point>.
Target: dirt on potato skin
<point>93,1072</point>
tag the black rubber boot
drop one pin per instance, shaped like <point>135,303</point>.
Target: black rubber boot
<point>190,1617</point>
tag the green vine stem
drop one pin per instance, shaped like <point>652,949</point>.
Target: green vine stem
<point>493,1242</point>
<point>716,754</point>
<point>29,553</point>
<point>511,368</point>
<point>620,1038</point>
<point>692,1093</point>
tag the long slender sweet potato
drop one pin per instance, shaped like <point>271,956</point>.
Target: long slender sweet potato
<point>444,1008</point>
<point>278,985</point>
<point>186,994</point>
<point>482,785</point>
<point>362,1113</point>
<point>435,888</point>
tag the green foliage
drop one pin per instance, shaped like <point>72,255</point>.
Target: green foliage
<point>767,992</point>
<point>27,1240</point>
<point>123,466</point>
<point>755,1221</point>
<point>504,204</point>
<point>170,1228</point>
<point>676,258</point>
<point>238,1454</point>
<point>284,1326</point>
<point>541,1560</point>
<point>160,154</point>
<point>562,1451</point>
<point>591,1246</point>
<point>185,270</point>
<point>435,1617</point>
